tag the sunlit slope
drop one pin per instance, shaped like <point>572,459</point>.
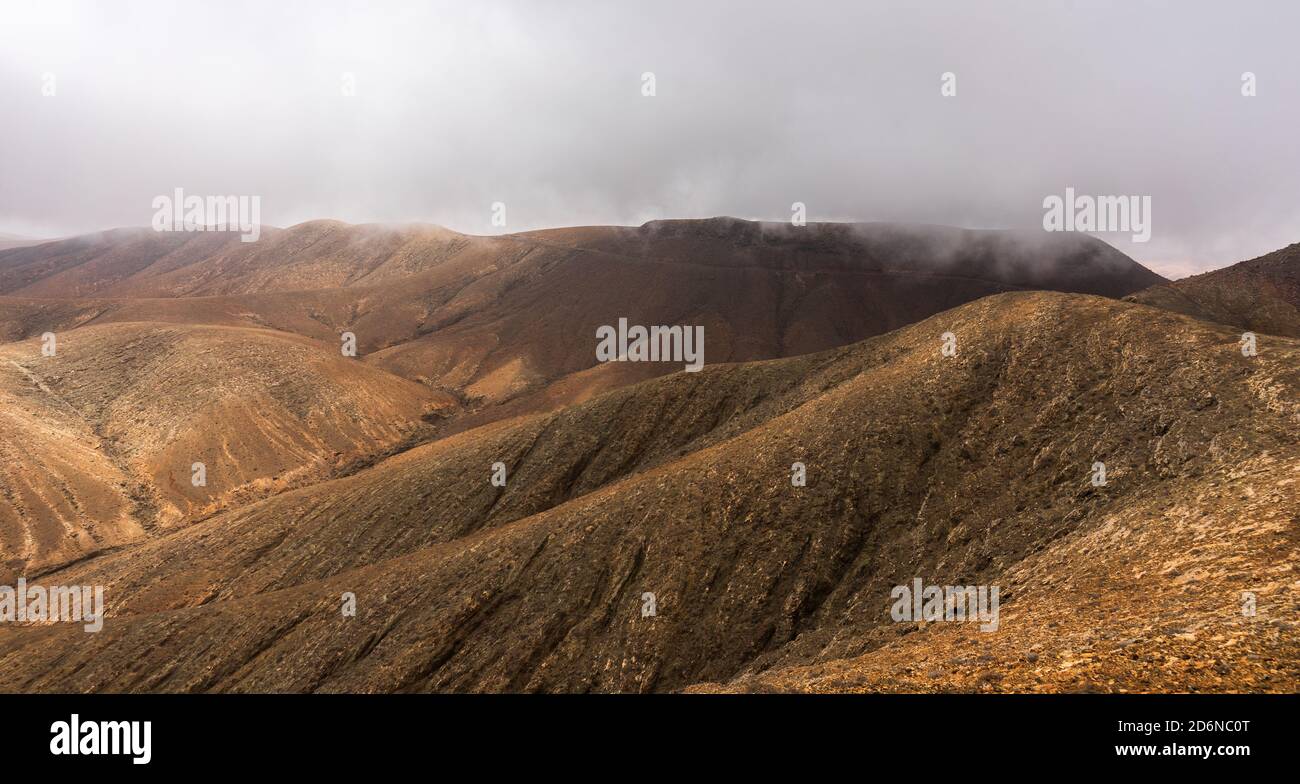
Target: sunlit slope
<point>106,433</point>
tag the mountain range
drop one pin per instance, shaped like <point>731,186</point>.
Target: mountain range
<point>947,394</point>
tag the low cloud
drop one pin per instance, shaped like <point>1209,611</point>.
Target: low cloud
<point>756,106</point>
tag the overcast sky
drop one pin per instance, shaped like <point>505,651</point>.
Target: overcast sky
<point>539,105</point>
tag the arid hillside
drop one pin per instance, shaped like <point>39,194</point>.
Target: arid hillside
<point>195,347</point>
<point>101,438</point>
<point>506,324</point>
<point>965,469</point>
<point>1260,295</point>
<point>327,477</point>
<point>140,262</point>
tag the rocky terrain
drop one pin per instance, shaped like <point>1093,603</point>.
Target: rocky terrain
<point>101,438</point>
<point>971,469</point>
<point>1261,295</point>
<point>509,321</point>
<point>647,534</point>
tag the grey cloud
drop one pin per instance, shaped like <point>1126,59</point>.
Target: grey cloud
<point>758,105</point>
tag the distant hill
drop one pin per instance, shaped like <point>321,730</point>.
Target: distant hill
<point>507,324</point>
<point>1261,295</point>
<point>99,440</point>
<point>8,241</point>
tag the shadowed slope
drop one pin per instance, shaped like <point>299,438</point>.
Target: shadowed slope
<point>760,290</point>
<point>1262,295</point>
<point>1149,600</point>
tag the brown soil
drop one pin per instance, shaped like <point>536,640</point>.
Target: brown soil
<point>971,469</point>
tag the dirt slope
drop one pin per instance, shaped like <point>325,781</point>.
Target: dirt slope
<point>508,323</point>
<point>102,436</point>
<point>139,262</point>
<point>1260,295</point>
<point>971,469</point>
<point>1126,605</point>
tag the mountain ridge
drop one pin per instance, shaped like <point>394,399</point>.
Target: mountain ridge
<point>752,576</point>
<point>1260,294</point>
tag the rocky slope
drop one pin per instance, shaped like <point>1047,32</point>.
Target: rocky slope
<point>1260,295</point>
<point>102,437</point>
<point>506,324</point>
<point>971,469</point>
